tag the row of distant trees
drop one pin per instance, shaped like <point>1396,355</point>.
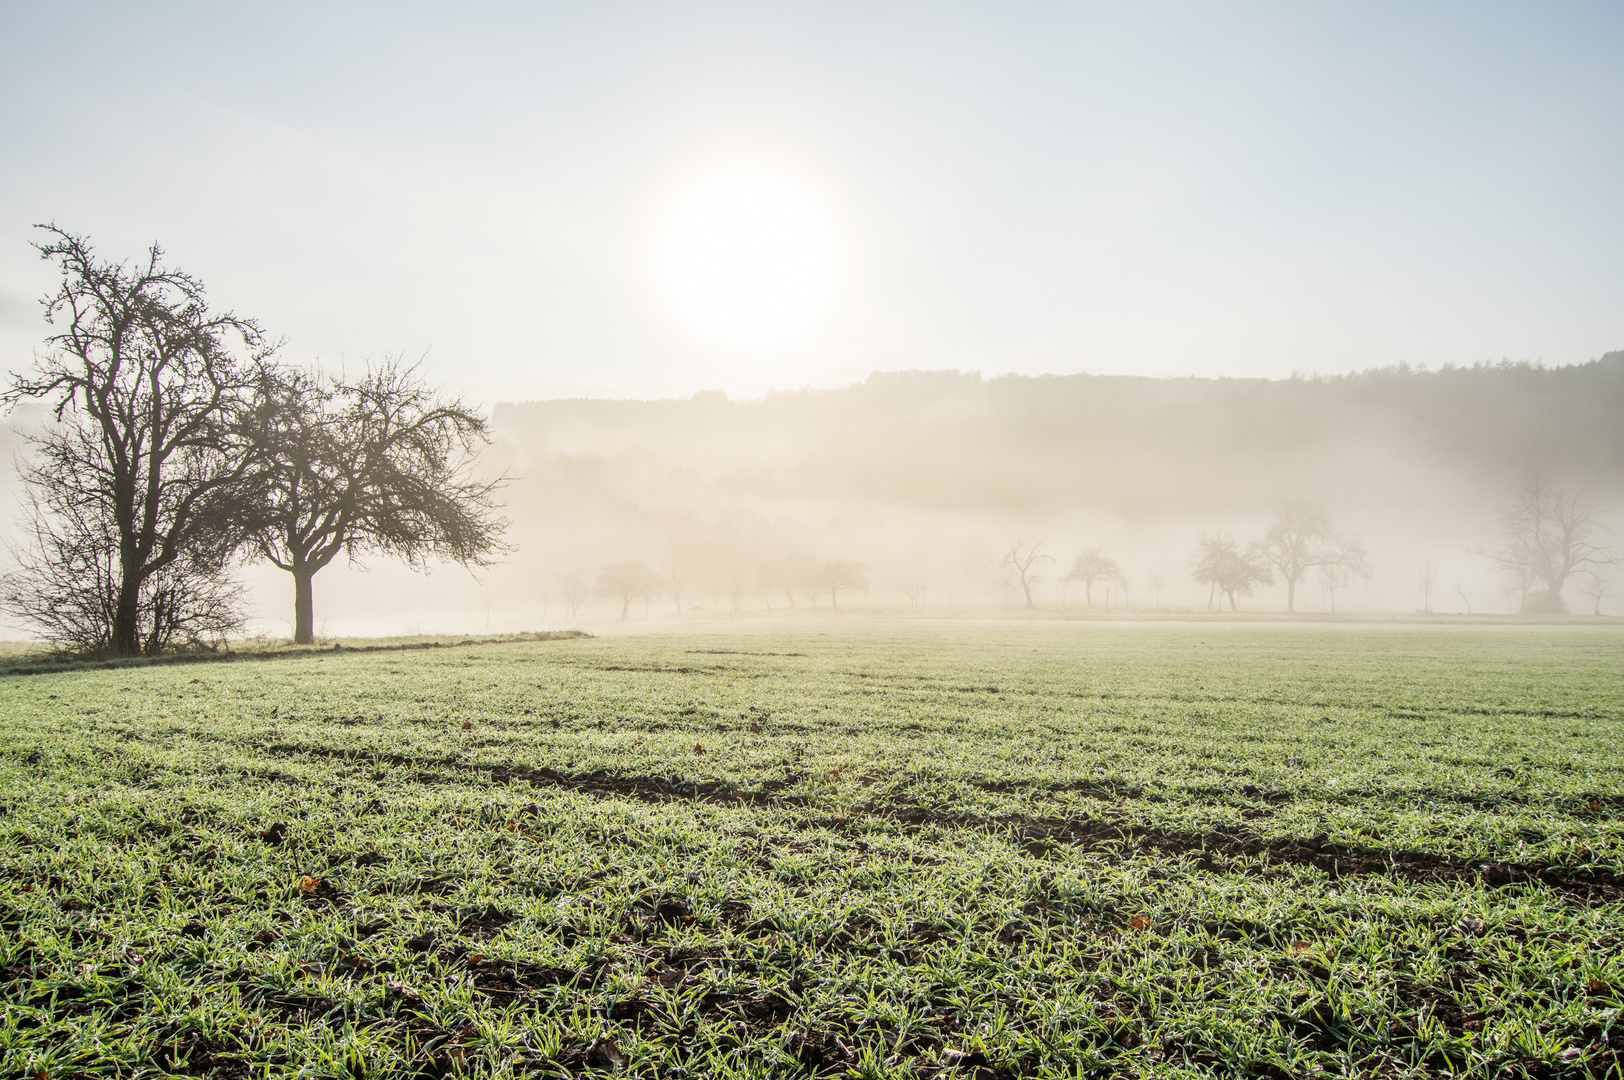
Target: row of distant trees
<point>178,446</point>
<point>797,575</point>
<point>1550,538</point>
<point>1301,540</point>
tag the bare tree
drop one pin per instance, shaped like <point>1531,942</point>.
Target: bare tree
<point>1467,600</point>
<point>1338,573</point>
<point>914,587</point>
<point>150,390</point>
<point>1223,566</point>
<point>380,465</point>
<point>626,581</point>
<point>838,574</point>
<point>793,573</point>
<point>1095,566</point>
<point>1598,585</point>
<point>1028,566</point>
<point>1300,539</point>
<point>1549,536</point>
<point>1425,581</point>
<point>573,589</point>
<point>677,575</point>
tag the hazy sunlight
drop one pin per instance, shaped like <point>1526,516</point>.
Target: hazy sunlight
<point>748,257</point>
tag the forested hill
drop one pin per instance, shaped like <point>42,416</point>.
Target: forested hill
<point>951,440</point>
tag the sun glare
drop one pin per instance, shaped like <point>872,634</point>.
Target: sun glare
<point>749,257</point>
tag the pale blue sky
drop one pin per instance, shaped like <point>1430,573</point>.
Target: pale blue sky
<point>1244,189</point>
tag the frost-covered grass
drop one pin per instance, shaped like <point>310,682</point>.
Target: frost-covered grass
<point>839,848</point>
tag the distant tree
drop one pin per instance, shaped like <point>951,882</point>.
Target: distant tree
<point>1223,566</point>
<point>838,574</point>
<point>133,486</point>
<point>1467,600</point>
<point>380,465</point>
<point>732,576</point>
<point>1598,585</point>
<point>794,573</point>
<point>626,581</point>
<point>1028,566</point>
<point>1424,581</point>
<point>573,589</point>
<point>676,576</point>
<point>1550,535</point>
<point>1095,566</point>
<point>914,587</point>
<point>1300,539</point>
<point>1334,575</point>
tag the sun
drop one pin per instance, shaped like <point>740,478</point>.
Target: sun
<point>749,257</point>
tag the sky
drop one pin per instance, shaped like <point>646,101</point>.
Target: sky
<point>641,200</point>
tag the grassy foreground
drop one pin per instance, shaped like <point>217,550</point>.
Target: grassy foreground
<point>870,849</point>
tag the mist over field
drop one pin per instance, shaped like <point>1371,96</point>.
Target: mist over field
<point>930,477</point>
<point>927,479</point>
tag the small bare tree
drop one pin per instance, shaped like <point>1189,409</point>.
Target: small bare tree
<point>1338,573</point>
<point>1223,566</point>
<point>1028,565</point>
<point>1093,567</point>
<point>1550,535</point>
<point>573,590</point>
<point>626,581</point>
<point>795,573</point>
<point>914,587</point>
<point>838,574</point>
<point>1598,585</point>
<point>1301,539</point>
<point>1424,581</point>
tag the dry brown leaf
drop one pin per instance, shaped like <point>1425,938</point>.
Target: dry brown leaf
<point>467,725</point>
<point>699,748</point>
<point>1139,922</point>
<point>308,884</point>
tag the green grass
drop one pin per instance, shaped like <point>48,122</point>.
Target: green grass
<point>871,849</point>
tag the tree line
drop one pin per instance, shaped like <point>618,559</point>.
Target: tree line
<point>178,446</point>
<point>1551,538</point>
<point>797,575</point>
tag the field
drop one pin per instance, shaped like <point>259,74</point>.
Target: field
<point>877,849</point>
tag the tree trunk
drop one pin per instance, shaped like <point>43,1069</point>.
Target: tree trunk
<point>1291,594</point>
<point>126,640</point>
<point>1027,589</point>
<point>625,606</point>
<point>304,609</point>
